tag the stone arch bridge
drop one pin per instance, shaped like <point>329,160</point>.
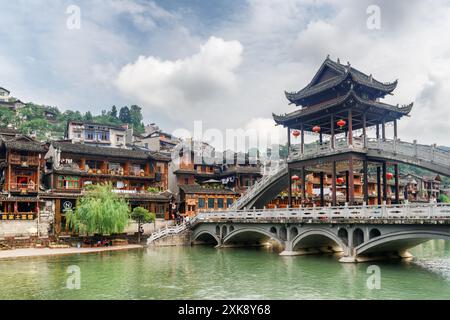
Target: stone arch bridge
<point>358,233</point>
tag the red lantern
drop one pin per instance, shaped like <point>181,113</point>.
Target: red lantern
<point>340,180</point>
<point>316,129</point>
<point>341,123</point>
<point>389,176</point>
<point>295,178</point>
<point>296,133</point>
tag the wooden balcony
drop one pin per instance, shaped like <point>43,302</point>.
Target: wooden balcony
<point>24,161</point>
<point>23,188</point>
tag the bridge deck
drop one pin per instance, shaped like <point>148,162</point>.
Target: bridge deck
<point>429,213</point>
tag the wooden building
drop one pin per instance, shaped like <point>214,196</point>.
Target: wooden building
<point>134,173</point>
<point>21,164</point>
<point>212,174</point>
<point>339,102</point>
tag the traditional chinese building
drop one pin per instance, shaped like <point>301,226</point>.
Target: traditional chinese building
<point>338,107</point>
<point>21,164</point>
<point>140,176</point>
<point>200,171</point>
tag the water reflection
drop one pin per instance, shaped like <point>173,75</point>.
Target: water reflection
<point>241,273</point>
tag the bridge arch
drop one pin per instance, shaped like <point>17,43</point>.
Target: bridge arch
<point>399,241</point>
<point>315,238</point>
<point>205,237</point>
<point>251,235</point>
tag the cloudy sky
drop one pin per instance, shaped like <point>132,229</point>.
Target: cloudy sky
<point>226,63</point>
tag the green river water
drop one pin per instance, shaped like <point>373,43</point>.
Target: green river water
<point>207,273</point>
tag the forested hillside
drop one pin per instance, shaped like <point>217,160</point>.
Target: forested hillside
<point>50,123</point>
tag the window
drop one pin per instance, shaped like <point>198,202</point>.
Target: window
<point>201,203</point>
<point>229,202</point>
<point>211,203</point>
<point>68,182</point>
<point>103,136</point>
<point>119,138</point>
<point>220,203</point>
<point>146,145</point>
<point>90,135</point>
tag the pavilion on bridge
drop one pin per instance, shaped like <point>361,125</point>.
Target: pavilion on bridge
<point>338,106</point>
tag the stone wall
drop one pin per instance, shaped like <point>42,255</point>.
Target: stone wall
<point>38,227</point>
<point>182,239</point>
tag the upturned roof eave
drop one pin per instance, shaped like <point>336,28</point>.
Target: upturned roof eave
<point>282,119</point>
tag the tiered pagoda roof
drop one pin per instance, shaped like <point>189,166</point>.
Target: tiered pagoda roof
<point>335,89</point>
<point>332,74</point>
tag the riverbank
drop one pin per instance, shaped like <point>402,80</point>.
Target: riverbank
<point>38,252</point>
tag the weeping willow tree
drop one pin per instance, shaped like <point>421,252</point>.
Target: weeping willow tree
<point>100,211</point>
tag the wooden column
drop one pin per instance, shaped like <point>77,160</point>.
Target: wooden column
<point>303,184</point>
<point>366,182</point>
<point>290,187</point>
<point>378,185</point>
<point>289,138</point>
<point>322,200</point>
<point>395,129</point>
<point>333,184</point>
<point>383,130</point>
<point>320,138</point>
<point>364,129</point>
<point>397,187</point>
<point>378,131</point>
<point>350,127</point>
<point>384,181</point>
<point>351,182</point>
<point>57,216</point>
<point>302,143</point>
<point>332,131</point>
<point>347,189</point>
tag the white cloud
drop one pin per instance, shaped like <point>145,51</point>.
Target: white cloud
<point>187,85</point>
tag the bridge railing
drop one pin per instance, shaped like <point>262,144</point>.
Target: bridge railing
<point>385,212</point>
<point>424,152</point>
<point>273,175</point>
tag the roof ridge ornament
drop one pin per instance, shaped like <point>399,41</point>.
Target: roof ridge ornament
<point>328,56</point>
<point>338,60</point>
<point>370,78</point>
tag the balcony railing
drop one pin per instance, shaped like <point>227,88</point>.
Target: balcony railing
<point>23,187</point>
<point>24,160</point>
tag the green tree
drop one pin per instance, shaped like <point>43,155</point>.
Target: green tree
<point>113,112</point>
<point>100,211</point>
<point>141,216</point>
<point>444,198</point>
<point>6,117</point>
<point>125,115</point>
<point>88,116</point>
<point>136,119</point>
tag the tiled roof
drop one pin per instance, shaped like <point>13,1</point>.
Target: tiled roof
<point>404,110</point>
<point>80,148</point>
<point>344,72</point>
<point>22,143</point>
